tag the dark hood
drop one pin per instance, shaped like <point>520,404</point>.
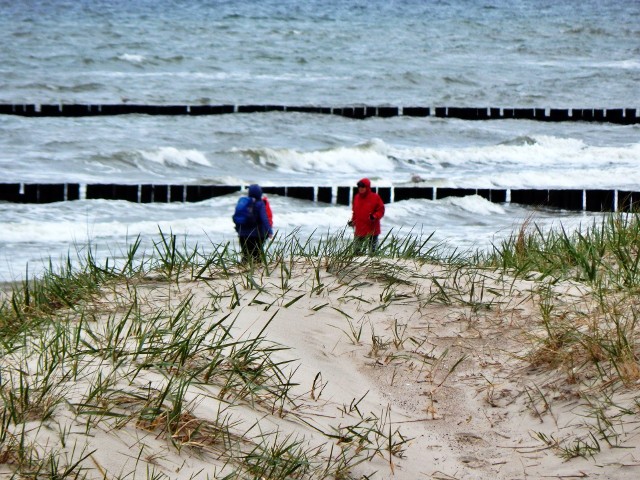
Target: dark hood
<point>255,191</point>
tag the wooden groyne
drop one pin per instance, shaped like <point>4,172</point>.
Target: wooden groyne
<point>623,116</point>
<point>591,200</point>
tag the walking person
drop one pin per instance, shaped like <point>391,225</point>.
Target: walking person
<point>367,210</point>
<point>252,224</point>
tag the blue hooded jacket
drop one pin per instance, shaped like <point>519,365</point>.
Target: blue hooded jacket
<point>262,228</point>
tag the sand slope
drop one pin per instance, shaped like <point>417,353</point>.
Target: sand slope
<point>427,371</point>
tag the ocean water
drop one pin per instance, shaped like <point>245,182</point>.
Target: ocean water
<point>527,53</point>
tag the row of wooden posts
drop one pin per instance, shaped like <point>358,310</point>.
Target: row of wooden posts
<point>624,116</point>
<point>592,200</point>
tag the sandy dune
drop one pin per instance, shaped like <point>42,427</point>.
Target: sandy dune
<point>410,370</point>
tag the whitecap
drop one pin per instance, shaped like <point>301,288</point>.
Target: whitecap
<point>365,157</point>
<point>132,58</point>
<point>171,156</point>
<point>530,151</point>
<point>475,204</point>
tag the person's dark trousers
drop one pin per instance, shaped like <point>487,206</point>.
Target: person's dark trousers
<point>362,245</point>
<point>251,249</point>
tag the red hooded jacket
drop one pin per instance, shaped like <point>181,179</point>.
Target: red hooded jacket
<point>368,209</point>
<point>268,209</point>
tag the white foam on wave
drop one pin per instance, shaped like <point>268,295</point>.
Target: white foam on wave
<point>529,150</point>
<point>227,180</point>
<point>171,156</point>
<point>131,58</point>
<point>474,204</point>
<point>80,232</point>
<point>589,178</point>
<point>412,211</point>
<point>15,232</point>
<point>222,76</point>
<point>366,157</point>
<point>321,219</point>
<point>623,64</point>
<point>533,151</point>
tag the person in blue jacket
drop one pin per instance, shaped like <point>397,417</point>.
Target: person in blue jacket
<point>253,234</point>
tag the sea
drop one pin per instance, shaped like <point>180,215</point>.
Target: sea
<point>330,53</point>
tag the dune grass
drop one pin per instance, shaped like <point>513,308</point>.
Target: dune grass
<point>100,325</point>
<point>602,260</point>
<point>593,341</point>
<point>143,364</point>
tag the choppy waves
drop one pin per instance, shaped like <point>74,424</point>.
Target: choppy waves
<point>454,53</point>
<point>174,157</point>
<point>524,162</point>
<point>368,156</point>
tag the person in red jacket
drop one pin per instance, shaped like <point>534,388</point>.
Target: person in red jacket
<point>367,210</point>
<point>268,209</point>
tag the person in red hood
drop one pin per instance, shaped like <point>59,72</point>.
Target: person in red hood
<point>267,207</point>
<point>368,209</point>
